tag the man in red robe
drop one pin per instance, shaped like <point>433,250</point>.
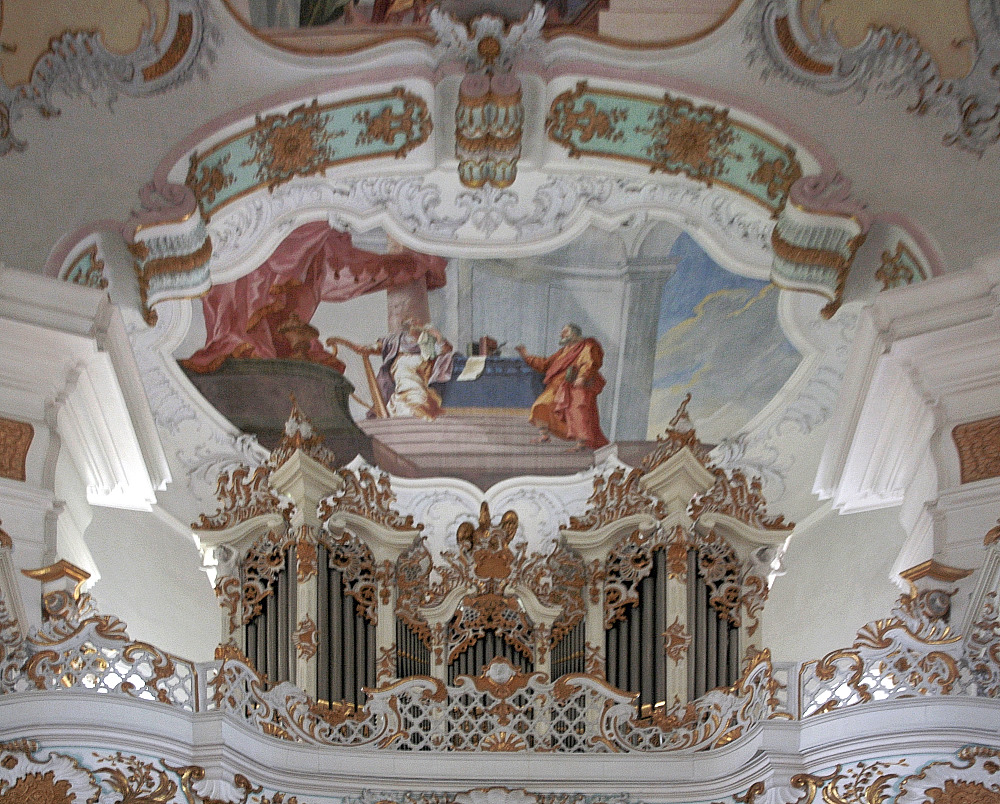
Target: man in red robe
<point>567,408</point>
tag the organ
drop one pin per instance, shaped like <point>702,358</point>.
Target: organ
<point>656,587</point>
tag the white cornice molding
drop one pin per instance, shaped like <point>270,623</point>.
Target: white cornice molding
<point>71,342</point>
<point>925,358</point>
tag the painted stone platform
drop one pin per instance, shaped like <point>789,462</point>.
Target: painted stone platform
<point>481,445</point>
<point>253,393</point>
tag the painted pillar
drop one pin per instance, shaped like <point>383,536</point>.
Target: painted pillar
<point>407,301</point>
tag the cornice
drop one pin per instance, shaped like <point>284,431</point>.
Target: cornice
<point>904,382</point>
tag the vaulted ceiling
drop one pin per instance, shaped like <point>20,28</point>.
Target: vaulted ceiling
<point>724,150</point>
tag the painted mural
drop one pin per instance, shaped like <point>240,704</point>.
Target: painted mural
<point>718,339</point>
<point>324,26</point>
<point>543,375</point>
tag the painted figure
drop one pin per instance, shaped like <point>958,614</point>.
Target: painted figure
<point>412,359</point>
<point>567,408</point>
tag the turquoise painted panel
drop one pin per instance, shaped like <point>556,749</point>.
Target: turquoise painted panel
<point>673,135</point>
<point>307,140</point>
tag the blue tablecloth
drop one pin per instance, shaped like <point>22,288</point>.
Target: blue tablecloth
<point>506,382</point>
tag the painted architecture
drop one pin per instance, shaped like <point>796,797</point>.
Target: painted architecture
<point>275,527</point>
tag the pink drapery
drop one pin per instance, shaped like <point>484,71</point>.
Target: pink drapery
<point>314,263</point>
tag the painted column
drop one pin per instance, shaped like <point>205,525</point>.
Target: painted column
<point>407,301</point>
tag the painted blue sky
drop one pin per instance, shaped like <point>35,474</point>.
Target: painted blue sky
<point>719,338</point>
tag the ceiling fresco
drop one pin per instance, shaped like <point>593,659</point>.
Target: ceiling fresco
<point>535,310</point>
<point>339,26</point>
<point>97,51</point>
<point>720,340</point>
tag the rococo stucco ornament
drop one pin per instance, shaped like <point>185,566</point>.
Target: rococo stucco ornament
<point>893,57</point>
<point>77,63</point>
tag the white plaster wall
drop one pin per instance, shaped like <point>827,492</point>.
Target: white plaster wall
<point>837,579</point>
<point>150,578</point>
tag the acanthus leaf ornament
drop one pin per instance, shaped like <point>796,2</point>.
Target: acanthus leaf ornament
<point>30,774</point>
<point>367,494</point>
<point>615,497</point>
<point>306,638</point>
<point>736,496</point>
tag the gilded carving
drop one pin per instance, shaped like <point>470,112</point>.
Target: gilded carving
<point>899,268</point>
<point>385,573</point>
<point>351,556</point>
<point>565,120</point>
<point>13,650</point>
<point>478,614</point>
<point>306,638</point>
<point>385,667</point>
<point>983,649</point>
<point>719,568</point>
<point>971,778</point>
<point>596,576</point>
<point>941,63</point>
<point>300,434</point>
<point>137,782</point>
<point>412,587</point>
<point>87,270</point>
<point>680,434</point>
<point>413,123</point>
<point>305,558</point>
<point>594,663</point>
<point>367,496</point>
<point>502,680</point>
<point>172,56</point>
<point>627,565</point>
<point>978,445</point>
<point>614,497</point>
<point>207,181</point>
<point>96,52</point>
<point>487,566</point>
<point>5,541</point>
<point>992,535</point>
<point>677,564</point>
<point>676,641</point>
<point>243,493</point>
<point>15,441</point>
<point>294,144</point>
<point>96,652</point>
<point>753,597</point>
<point>688,139</point>
<point>707,722</point>
<point>913,652</point>
<point>30,776</point>
<point>229,591</point>
<point>734,496</point>
<point>259,569</point>
<point>776,175</point>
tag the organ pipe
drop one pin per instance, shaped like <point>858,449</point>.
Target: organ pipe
<point>634,651</point>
